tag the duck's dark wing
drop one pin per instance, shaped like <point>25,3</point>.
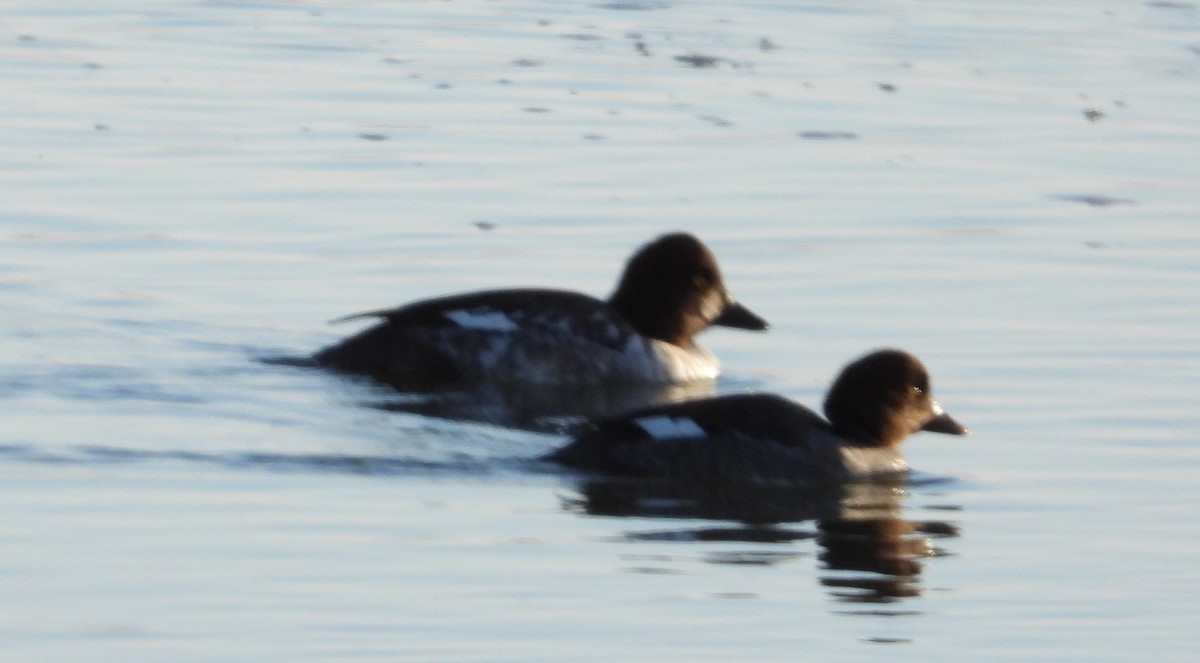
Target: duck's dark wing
<point>701,438</point>
<point>525,310</point>
<point>414,343</point>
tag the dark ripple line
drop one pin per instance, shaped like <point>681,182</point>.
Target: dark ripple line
<point>335,463</point>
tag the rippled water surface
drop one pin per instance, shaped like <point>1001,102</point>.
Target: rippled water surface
<point>1007,189</point>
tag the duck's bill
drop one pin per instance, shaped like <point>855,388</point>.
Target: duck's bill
<point>944,423</point>
<point>739,317</point>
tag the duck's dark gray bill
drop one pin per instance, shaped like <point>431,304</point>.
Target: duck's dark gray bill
<point>739,317</point>
<point>944,423</point>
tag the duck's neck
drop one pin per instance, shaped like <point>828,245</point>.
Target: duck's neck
<point>648,317</point>
<point>873,461</point>
<point>869,436</point>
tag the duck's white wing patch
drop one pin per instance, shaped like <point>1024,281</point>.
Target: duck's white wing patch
<point>662,427</point>
<point>482,320</point>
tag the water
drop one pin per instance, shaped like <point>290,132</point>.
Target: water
<point>1007,189</point>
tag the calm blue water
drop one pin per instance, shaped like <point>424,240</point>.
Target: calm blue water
<point>1006,189</point>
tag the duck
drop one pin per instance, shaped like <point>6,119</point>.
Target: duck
<point>873,405</point>
<point>671,290</point>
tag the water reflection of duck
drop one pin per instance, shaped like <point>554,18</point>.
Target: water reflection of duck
<point>869,554</point>
<point>876,559</point>
<point>670,291</point>
<point>873,405</point>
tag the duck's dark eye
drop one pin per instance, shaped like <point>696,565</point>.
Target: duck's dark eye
<point>916,390</point>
